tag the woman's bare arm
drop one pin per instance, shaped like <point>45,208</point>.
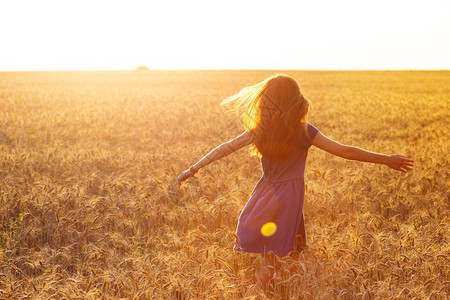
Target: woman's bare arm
<point>217,153</point>
<point>397,162</point>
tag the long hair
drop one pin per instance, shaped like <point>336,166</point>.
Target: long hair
<point>275,112</point>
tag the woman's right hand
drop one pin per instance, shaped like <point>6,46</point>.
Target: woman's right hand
<point>183,176</point>
<point>400,163</point>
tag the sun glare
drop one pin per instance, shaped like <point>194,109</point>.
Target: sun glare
<point>83,35</point>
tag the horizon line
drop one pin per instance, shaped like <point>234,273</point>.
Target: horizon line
<point>214,69</point>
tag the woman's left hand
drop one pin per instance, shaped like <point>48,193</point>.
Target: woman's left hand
<point>400,163</point>
<point>183,176</point>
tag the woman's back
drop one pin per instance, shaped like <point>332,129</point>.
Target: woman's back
<point>291,167</point>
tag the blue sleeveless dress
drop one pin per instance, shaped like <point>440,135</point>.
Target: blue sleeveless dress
<point>278,197</point>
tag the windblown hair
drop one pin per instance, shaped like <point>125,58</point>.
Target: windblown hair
<point>275,112</point>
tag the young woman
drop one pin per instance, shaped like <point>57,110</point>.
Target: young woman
<point>274,115</point>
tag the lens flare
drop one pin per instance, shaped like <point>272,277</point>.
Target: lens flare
<point>269,229</point>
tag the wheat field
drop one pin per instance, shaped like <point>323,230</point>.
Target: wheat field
<point>89,206</point>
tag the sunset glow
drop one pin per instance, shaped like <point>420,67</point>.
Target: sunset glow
<point>110,35</point>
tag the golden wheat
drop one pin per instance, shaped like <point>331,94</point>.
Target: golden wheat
<point>89,207</point>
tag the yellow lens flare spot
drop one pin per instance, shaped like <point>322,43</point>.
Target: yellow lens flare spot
<point>269,229</point>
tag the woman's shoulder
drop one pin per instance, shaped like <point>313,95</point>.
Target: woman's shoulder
<point>308,133</point>
<point>312,130</point>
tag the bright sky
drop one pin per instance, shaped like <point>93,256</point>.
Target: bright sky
<point>232,34</point>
